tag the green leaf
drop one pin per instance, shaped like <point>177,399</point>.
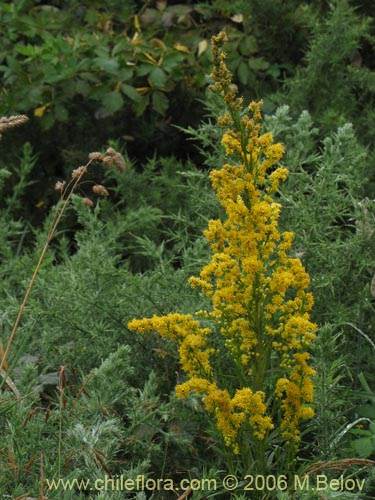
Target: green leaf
<point>125,74</point>
<point>243,73</point>
<point>26,50</point>
<point>82,88</point>
<point>113,101</point>
<point>258,64</point>
<point>180,9</point>
<point>158,77</point>
<point>47,120</point>
<point>91,16</point>
<point>172,61</point>
<point>140,106</point>
<point>150,16</point>
<point>110,66</point>
<point>364,446</point>
<point>130,92</point>
<point>90,77</point>
<point>364,384</point>
<point>160,102</point>
<point>123,45</point>
<point>34,96</point>
<point>61,113</point>
<point>144,69</point>
<point>13,64</point>
<point>248,45</point>
<point>274,71</point>
<point>98,93</point>
<point>53,77</point>
<point>366,411</point>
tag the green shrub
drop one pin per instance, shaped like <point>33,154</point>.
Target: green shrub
<point>336,82</point>
<point>326,203</point>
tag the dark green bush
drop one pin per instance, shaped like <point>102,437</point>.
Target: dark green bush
<point>336,81</point>
<point>86,72</point>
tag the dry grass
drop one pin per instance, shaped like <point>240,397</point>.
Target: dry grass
<point>339,465</point>
<point>110,159</point>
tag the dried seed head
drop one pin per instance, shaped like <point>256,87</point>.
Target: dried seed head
<point>88,202</point>
<point>115,159</point>
<point>96,156</point>
<point>100,190</point>
<point>120,163</point>
<point>108,161</point>
<point>60,186</point>
<point>11,122</point>
<point>77,172</point>
<point>373,286</point>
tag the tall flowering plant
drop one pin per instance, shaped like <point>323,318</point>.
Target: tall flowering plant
<point>247,357</point>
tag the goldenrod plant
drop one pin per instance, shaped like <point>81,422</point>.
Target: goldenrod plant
<point>247,356</point>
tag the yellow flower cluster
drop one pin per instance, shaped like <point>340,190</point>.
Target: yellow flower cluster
<point>229,412</point>
<point>258,292</point>
<point>192,339</point>
<point>245,407</point>
<point>251,365</point>
<point>298,390</point>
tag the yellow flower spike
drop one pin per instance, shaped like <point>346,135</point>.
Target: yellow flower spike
<point>251,366</point>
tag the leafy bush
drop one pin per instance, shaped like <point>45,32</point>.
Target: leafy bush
<point>128,71</point>
<point>336,81</point>
<point>326,202</point>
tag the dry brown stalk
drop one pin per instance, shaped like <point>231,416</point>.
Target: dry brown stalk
<point>50,236</point>
<point>81,390</point>
<point>6,367</point>
<point>99,460</point>
<point>8,381</point>
<point>114,159</point>
<point>30,463</point>
<point>7,123</point>
<point>338,465</point>
<point>30,415</point>
<point>185,495</point>
<point>62,385</point>
<point>41,480</point>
